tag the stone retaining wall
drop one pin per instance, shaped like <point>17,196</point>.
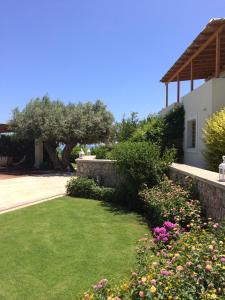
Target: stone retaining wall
<point>211,191</point>
<point>101,170</point>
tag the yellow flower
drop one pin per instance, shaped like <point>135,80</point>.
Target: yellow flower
<point>152,289</point>
<point>180,268</point>
<point>143,279</point>
<point>149,277</point>
<point>125,286</point>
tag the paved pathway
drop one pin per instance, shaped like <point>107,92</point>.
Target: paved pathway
<point>27,190</point>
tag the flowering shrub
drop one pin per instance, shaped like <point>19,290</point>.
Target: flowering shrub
<point>168,201</point>
<point>191,267</point>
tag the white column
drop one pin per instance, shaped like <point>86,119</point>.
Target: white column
<point>38,153</point>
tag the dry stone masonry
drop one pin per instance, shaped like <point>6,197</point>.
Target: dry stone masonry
<point>102,170</point>
<point>211,191</point>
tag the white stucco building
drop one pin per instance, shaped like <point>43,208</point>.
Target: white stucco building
<point>203,59</point>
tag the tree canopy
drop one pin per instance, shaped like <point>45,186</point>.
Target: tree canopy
<point>57,123</point>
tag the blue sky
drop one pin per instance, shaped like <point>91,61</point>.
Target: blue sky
<point>81,50</point>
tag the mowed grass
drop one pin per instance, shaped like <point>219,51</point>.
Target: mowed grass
<point>58,249</point>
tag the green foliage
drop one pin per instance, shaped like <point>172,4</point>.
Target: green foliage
<point>101,152</point>
<point>174,130</point>
<point>139,163</point>
<point>150,130</point>
<point>126,128</point>
<point>166,131</point>
<point>214,138</point>
<point>57,123</point>
<point>87,188</point>
<point>168,201</point>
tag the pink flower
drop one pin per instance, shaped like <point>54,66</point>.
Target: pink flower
<point>208,268</point>
<point>222,259</point>
<point>141,294</point>
<point>153,282</point>
<point>216,225</point>
<point>165,273</point>
<point>117,298</point>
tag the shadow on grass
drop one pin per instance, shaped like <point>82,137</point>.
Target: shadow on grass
<point>118,209</point>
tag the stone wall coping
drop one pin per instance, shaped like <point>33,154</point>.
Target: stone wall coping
<point>95,160</point>
<point>198,173</point>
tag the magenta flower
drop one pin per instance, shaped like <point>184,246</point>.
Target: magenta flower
<point>169,225</point>
<point>160,230</point>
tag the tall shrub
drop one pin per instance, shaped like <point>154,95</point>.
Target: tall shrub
<point>152,130</point>
<point>214,138</point>
<point>140,163</point>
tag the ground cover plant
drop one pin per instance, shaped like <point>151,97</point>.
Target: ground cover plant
<point>57,249</point>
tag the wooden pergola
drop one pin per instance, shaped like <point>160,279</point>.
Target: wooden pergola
<point>203,59</point>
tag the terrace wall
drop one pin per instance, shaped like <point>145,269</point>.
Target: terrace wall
<point>101,170</point>
<point>211,191</point>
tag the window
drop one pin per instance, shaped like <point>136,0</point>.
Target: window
<point>191,134</point>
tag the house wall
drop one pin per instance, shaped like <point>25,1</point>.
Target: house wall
<point>200,104</point>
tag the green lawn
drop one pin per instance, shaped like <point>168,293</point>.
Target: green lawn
<point>57,249</point>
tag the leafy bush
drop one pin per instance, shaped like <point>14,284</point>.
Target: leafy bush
<point>168,201</point>
<point>101,152</point>
<point>189,267</point>
<point>87,188</point>
<point>140,163</point>
<point>150,130</point>
<point>80,187</point>
<point>126,127</point>
<point>214,138</point>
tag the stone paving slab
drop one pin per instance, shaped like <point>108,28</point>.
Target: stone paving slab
<point>22,191</point>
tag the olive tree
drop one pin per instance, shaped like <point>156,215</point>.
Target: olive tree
<point>56,123</point>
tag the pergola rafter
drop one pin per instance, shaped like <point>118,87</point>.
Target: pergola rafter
<point>203,59</point>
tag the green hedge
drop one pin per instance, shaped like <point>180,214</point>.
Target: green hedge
<point>88,188</point>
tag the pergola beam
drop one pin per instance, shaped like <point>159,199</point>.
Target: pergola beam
<point>206,43</point>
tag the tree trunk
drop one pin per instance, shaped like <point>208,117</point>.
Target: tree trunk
<point>51,150</point>
<point>66,153</point>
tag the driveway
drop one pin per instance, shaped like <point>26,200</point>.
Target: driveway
<point>21,191</point>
